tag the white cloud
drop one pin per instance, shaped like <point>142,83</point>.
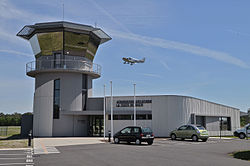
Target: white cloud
<point>162,43</point>
<point>9,11</point>
<point>238,33</point>
<point>16,52</point>
<point>110,16</point>
<point>165,65</point>
<point>9,36</point>
<point>151,75</point>
<point>158,42</point>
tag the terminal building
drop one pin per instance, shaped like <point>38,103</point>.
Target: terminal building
<point>63,104</point>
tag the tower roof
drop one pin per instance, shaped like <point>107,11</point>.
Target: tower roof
<point>29,30</point>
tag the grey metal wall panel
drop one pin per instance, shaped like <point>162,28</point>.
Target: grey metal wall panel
<point>95,104</point>
<point>70,99</point>
<point>43,106</point>
<point>63,126</point>
<point>171,111</point>
<point>71,91</point>
<point>205,108</point>
<point>120,124</point>
<point>80,125</point>
<point>70,125</point>
<point>213,123</point>
<point>90,86</point>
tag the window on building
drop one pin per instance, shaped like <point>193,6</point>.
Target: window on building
<point>56,99</point>
<point>225,123</point>
<point>84,91</point>
<point>201,120</point>
<point>192,118</point>
<point>149,116</point>
<point>131,117</point>
<point>141,117</point>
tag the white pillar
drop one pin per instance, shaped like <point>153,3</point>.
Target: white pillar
<point>111,105</point>
<point>104,112</point>
<point>134,107</point>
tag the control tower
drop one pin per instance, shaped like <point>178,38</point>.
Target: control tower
<point>63,70</point>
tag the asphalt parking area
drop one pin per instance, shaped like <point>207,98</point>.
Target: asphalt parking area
<point>162,152</point>
<point>17,157</point>
<point>177,142</point>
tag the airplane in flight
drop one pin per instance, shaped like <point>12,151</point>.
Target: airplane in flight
<point>132,61</point>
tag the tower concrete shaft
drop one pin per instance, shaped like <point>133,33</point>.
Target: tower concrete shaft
<point>63,70</point>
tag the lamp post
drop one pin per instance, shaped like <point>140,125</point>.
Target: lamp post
<point>134,107</point>
<point>111,108</point>
<point>104,112</point>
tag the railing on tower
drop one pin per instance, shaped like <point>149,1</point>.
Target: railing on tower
<point>76,65</point>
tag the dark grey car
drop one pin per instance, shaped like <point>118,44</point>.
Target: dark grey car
<point>134,134</point>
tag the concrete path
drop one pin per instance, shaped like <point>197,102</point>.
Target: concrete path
<point>48,145</point>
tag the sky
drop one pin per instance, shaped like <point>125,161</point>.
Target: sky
<point>192,48</point>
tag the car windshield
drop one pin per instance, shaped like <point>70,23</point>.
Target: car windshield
<point>146,130</point>
<point>200,127</point>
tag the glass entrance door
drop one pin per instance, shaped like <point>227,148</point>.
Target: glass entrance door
<point>96,126</point>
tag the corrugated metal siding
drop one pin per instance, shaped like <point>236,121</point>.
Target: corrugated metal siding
<point>169,112</point>
<point>205,108</point>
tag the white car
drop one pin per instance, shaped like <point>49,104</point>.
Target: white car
<point>243,132</point>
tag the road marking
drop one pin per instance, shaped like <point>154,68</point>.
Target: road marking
<point>12,158</point>
<point>17,164</point>
<point>43,147</point>
<point>12,154</point>
<point>27,156</point>
<point>49,150</point>
<point>29,160</point>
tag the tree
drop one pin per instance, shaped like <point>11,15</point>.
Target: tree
<point>12,119</point>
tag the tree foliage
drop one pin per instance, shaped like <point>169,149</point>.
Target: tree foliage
<point>243,120</point>
<point>11,119</point>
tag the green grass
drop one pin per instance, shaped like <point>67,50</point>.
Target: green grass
<point>17,143</point>
<point>11,131</point>
<point>244,155</point>
<point>10,137</point>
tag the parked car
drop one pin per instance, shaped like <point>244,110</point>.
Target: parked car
<point>243,132</point>
<point>134,134</point>
<point>190,132</point>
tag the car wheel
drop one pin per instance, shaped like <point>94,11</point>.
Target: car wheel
<point>173,136</point>
<point>242,136</point>
<point>117,141</point>
<point>137,141</point>
<point>195,138</point>
<point>204,140</point>
<point>150,142</point>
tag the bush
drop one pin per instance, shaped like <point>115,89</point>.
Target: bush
<point>244,155</point>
